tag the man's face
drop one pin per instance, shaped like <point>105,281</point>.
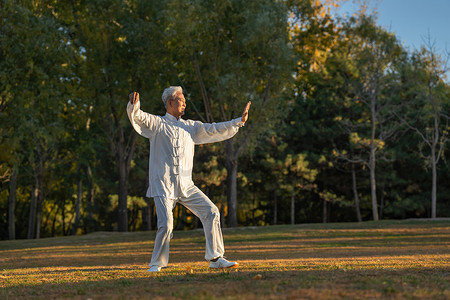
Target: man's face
<point>178,104</point>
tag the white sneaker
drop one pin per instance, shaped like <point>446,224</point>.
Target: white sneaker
<point>223,263</point>
<point>154,269</point>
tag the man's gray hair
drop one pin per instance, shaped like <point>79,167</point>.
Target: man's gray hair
<point>170,93</point>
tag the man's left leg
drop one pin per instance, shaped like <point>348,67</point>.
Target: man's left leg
<point>209,215</point>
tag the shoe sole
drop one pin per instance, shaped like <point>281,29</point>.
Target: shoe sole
<point>153,271</point>
<point>230,267</point>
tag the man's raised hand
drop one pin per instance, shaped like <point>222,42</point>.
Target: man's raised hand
<point>134,97</point>
<point>245,113</point>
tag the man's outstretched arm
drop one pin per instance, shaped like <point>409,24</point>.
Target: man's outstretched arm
<point>216,132</point>
<point>144,123</point>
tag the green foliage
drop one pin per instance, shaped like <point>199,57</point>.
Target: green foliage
<point>66,68</point>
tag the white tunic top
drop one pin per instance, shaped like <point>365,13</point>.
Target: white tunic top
<point>172,144</point>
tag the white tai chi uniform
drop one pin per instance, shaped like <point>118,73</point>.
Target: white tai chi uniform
<point>172,144</point>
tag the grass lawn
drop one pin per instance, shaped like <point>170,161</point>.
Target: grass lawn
<point>374,260</point>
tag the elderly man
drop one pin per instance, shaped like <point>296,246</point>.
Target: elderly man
<point>172,142</point>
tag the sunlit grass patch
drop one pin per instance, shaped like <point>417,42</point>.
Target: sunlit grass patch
<point>398,260</point>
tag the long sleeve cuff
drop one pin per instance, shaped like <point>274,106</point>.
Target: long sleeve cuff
<point>238,122</point>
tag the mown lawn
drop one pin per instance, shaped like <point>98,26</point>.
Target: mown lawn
<point>384,260</point>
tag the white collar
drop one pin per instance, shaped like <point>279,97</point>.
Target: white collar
<point>171,118</point>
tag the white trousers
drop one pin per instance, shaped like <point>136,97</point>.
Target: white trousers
<point>199,204</point>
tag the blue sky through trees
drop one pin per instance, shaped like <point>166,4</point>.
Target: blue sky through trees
<point>412,20</point>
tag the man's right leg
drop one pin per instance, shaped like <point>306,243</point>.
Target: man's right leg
<point>160,255</point>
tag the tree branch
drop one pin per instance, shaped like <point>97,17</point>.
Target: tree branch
<point>209,117</point>
<point>414,129</point>
<point>130,152</point>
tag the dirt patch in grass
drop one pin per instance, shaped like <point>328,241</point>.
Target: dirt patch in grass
<point>376,260</point>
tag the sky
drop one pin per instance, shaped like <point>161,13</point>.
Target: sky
<point>412,20</point>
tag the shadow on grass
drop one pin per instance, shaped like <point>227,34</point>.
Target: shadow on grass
<point>225,283</point>
<point>108,262</point>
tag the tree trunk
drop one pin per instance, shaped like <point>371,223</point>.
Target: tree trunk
<point>90,200</point>
<point>373,186</point>
<point>12,204</point>
<point>434,184</point>
<point>324,211</point>
<point>275,208</point>
<point>124,155</point>
<point>381,203</point>
<point>122,217</point>
<point>293,207</point>
<point>197,221</point>
<point>434,159</point>
<point>231,165</point>
<point>373,189</point>
<point>54,221</point>
<point>355,194</point>
<point>63,216</point>
<point>78,207</point>
<point>222,216</point>
<point>122,220</point>
<point>40,199</point>
<point>32,215</point>
<point>372,161</point>
<point>147,212</point>
<point>38,217</point>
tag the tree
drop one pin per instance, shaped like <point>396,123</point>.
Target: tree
<point>34,75</point>
<point>428,96</point>
<point>373,53</point>
<point>120,43</point>
<point>288,172</point>
<point>315,35</point>
<point>225,54</point>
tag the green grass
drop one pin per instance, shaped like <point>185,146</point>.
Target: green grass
<point>374,260</point>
